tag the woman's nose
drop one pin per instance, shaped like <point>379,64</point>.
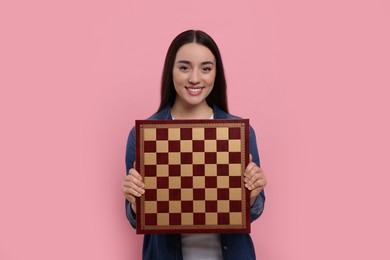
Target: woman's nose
<point>194,78</point>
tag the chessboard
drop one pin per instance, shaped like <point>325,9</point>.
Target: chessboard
<point>192,171</point>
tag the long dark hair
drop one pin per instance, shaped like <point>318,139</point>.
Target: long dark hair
<point>218,95</point>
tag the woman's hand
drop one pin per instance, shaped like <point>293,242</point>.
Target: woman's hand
<point>254,179</point>
<point>133,187</point>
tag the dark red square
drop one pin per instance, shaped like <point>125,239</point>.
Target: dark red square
<point>198,169</point>
<point>162,133</point>
<point>211,206</point>
<point>210,157</point>
<point>174,194</point>
<point>186,182</point>
<point>163,206</point>
<point>235,181</point>
<point>150,219</point>
<point>150,194</point>
<point>223,194</point>
<point>222,169</point>
<point>174,170</point>
<point>198,145</point>
<point>222,145</point>
<point>198,194</point>
<point>162,183</point>
<point>199,218</point>
<point>187,206</point>
<point>210,133</point>
<point>186,158</point>
<point>234,133</point>
<point>185,133</point>
<point>175,219</point>
<point>211,181</point>
<point>223,218</point>
<point>149,146</point>
<point>150,170</point>
<point>162,158</point>
<point>235,157</point>
<point>173,146</point>
<point>235,206</point>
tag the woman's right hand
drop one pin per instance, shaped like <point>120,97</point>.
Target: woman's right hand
<point>133,187</point>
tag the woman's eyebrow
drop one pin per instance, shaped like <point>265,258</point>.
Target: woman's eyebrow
<point>202,63</point>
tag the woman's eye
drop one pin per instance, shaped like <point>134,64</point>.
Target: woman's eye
<point>184,68</point>
<point>206,69</point>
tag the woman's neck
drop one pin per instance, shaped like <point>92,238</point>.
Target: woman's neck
<point>200,111</point>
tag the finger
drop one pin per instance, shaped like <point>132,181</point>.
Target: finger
<point>259,185</point>
<point>129,179</point>
<point>134,190</point>
<point>249,169</point>
<point>250,158</point>
<point>135,173</point>
<point>258,181</point>
<point>254,174</point>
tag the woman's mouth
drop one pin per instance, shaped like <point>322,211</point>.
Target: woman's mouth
<point>194,91</point>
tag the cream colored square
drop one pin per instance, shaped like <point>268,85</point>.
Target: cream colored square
<point>199,206</point>
<point>222,158</point>
<point>235,218</point>
<point>150,182</point>
<point>223,206</point>
<point>235,169</point>
<point>198,158</point>
<point>162,146</point>
<point>175,206</point>
<point>210,169</point>
<point>150,159</point>
<point>186,169</point>
<point>186,145</point>
<point>235,194</point>
<point>222,181</point>
<point>197,133</point>
<point>149,134</point>
<point>162,170</point>
<point>222,133</point>
<point>162,194</point>
<point>210,145</point>
<point>211,218</point>
<point>210,194</point>
<point>150,206</point>
<point>199,182</point>
<point>174,158</point>
<point>235,146</point>
<point>187,219</point>
<point>187,194</point>
<point>174,133</point>
<point>174,182</point>
<point>163,219</point>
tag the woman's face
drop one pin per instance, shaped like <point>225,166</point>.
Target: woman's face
<point>194,73</point>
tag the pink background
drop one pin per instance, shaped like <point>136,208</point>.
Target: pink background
<point>312,76</point>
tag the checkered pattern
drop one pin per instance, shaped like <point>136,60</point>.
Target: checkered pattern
<point>193,176</point>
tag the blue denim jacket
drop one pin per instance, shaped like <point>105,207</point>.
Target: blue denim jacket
<point>168,246</point>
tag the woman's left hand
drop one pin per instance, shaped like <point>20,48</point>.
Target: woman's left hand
<point>254,179</point>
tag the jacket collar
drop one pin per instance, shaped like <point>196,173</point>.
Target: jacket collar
<point>165,113</point>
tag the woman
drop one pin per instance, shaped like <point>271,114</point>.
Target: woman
<point>194,87</point>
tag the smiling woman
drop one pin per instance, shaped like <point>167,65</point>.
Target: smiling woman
<point>193,77</point>
<point>194,87</point>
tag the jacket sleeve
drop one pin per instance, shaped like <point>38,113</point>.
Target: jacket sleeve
<point>258,206</point>
<point>130,159</point>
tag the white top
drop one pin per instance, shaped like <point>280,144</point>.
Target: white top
<point>201,246</point>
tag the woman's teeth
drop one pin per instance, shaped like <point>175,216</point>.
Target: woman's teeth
<point>194,89</point>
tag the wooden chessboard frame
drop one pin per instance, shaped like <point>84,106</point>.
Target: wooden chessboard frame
<point>230,213</point>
